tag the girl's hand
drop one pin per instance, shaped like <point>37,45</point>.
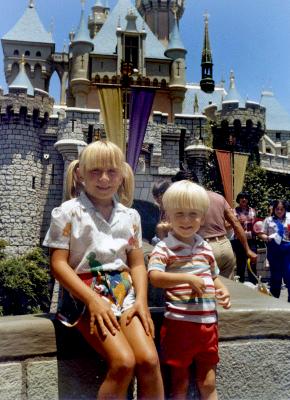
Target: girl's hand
<point>197,284</point>
<point>102,317</point>
<point>223,298</point>
<point>142,312</point>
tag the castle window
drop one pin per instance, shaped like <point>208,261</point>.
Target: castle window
<point>16,53</point>
<point>33,182</point>
<point>90,134</point>
<point>38,54</point>
<point>27,53</point>
<point>278,135</point>
<point>132,50</point>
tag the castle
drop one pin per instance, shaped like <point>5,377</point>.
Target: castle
<point>38,139</point>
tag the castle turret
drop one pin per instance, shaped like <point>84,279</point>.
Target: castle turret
<point>177,52</point>
<point>100,11</point>
<point>207,82</point>
<point>26,170</point>
<point>158,15</point>
<point>29,37</point>
<point>80,48</point>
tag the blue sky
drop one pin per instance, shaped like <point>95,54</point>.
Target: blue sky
<point>252,37</point>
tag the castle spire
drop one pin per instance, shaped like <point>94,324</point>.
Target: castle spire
<point>207,82</point>
<point>31,4</point>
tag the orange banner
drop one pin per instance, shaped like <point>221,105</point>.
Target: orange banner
<point>225,165</point>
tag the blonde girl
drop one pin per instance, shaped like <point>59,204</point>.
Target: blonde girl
<point>96,255</point>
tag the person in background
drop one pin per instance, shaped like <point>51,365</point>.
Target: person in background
<point>158,190</point>
<point>275,231</point>
<point>96,255</point>
<point>184,265</point>
<point>246,216</point>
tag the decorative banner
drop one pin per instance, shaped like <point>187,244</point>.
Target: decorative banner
<point>225,164</point>
<point>140,109</point>
<point>240,164</point>
<point>112,115</point>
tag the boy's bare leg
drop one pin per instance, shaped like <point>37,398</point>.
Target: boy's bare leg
<point>206,381</point>
<point>179,382</point>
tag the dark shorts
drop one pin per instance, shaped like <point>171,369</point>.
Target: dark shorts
<point>183,342</point>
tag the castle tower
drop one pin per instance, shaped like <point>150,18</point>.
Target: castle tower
<point>100,11</point>
<point>177,52</point>
<point>29,37</point>
<point>207,82</point>
<point>238,124</point>
<point>80,47</point>
<point>25,168</point>
<point>158,15</point>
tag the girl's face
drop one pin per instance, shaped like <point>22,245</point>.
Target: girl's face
<point>102,183</point>
<point>280,211</point>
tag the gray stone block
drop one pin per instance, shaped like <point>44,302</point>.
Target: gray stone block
<point>42,380</point>
<point>11,381</point>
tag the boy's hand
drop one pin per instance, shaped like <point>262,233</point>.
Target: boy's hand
<point>142,312</point>
<point>102,315</point>
<point>223,298</point>
<point>197,284</point>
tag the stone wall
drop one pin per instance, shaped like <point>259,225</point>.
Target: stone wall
<point>40,359</point>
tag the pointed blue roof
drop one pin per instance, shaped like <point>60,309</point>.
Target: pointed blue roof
<point>277,118</point>
<point>22,81</point>
<point>204,99</point>
<point>29,28</point>
<point>105,41</point>
<point>99,3</point>
<point>175,41</point>
<point>82,34</point>
<point>233,95</point>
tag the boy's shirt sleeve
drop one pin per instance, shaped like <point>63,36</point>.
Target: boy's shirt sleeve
<point>58,235</point>
<point>159,258</point>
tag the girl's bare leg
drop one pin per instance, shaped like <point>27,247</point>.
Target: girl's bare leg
<point>206,381</point>
<point>120,359</point>
<point>150,385</point>
<point>179,382</point>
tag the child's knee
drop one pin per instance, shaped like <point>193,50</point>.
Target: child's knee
<point>148,361</point>
<point>207,385</point>
<point>123,364</point>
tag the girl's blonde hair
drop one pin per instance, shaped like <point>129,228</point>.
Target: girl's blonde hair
<point>73,185</point>
<point>105,154</point>
<point>186,195</point>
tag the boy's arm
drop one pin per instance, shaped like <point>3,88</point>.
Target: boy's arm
<point>168,279</point>
<point>222,293</point>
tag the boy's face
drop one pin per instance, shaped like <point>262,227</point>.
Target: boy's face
<point>185,223</point>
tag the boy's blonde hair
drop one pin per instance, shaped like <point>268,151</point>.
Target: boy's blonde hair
<point>187,195</point>
<point>105,154</point>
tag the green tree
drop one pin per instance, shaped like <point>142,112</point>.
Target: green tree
<point>24,283</point>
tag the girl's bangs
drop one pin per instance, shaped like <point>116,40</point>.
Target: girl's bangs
<point>101,156</point>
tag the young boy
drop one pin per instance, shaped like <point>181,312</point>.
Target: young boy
<point>183,264</point>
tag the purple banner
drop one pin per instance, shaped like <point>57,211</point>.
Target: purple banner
<point>140,109</point>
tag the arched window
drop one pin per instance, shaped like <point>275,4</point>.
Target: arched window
<point>27,53</point>
<point>163,83</point>
<point>38,54</point>
<point>106,79</point>
<point>16,52</point>
<point>155,82</point>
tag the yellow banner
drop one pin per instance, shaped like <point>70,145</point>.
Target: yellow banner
<point>240,165</point>
<point>112,115</point>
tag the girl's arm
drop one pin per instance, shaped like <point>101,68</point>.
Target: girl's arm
<point>100,310</point>
<point>168,279</point>
<point>140,283</point>
<point>222,293</point>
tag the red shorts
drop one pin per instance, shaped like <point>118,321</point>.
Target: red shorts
<point>183,342</point>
